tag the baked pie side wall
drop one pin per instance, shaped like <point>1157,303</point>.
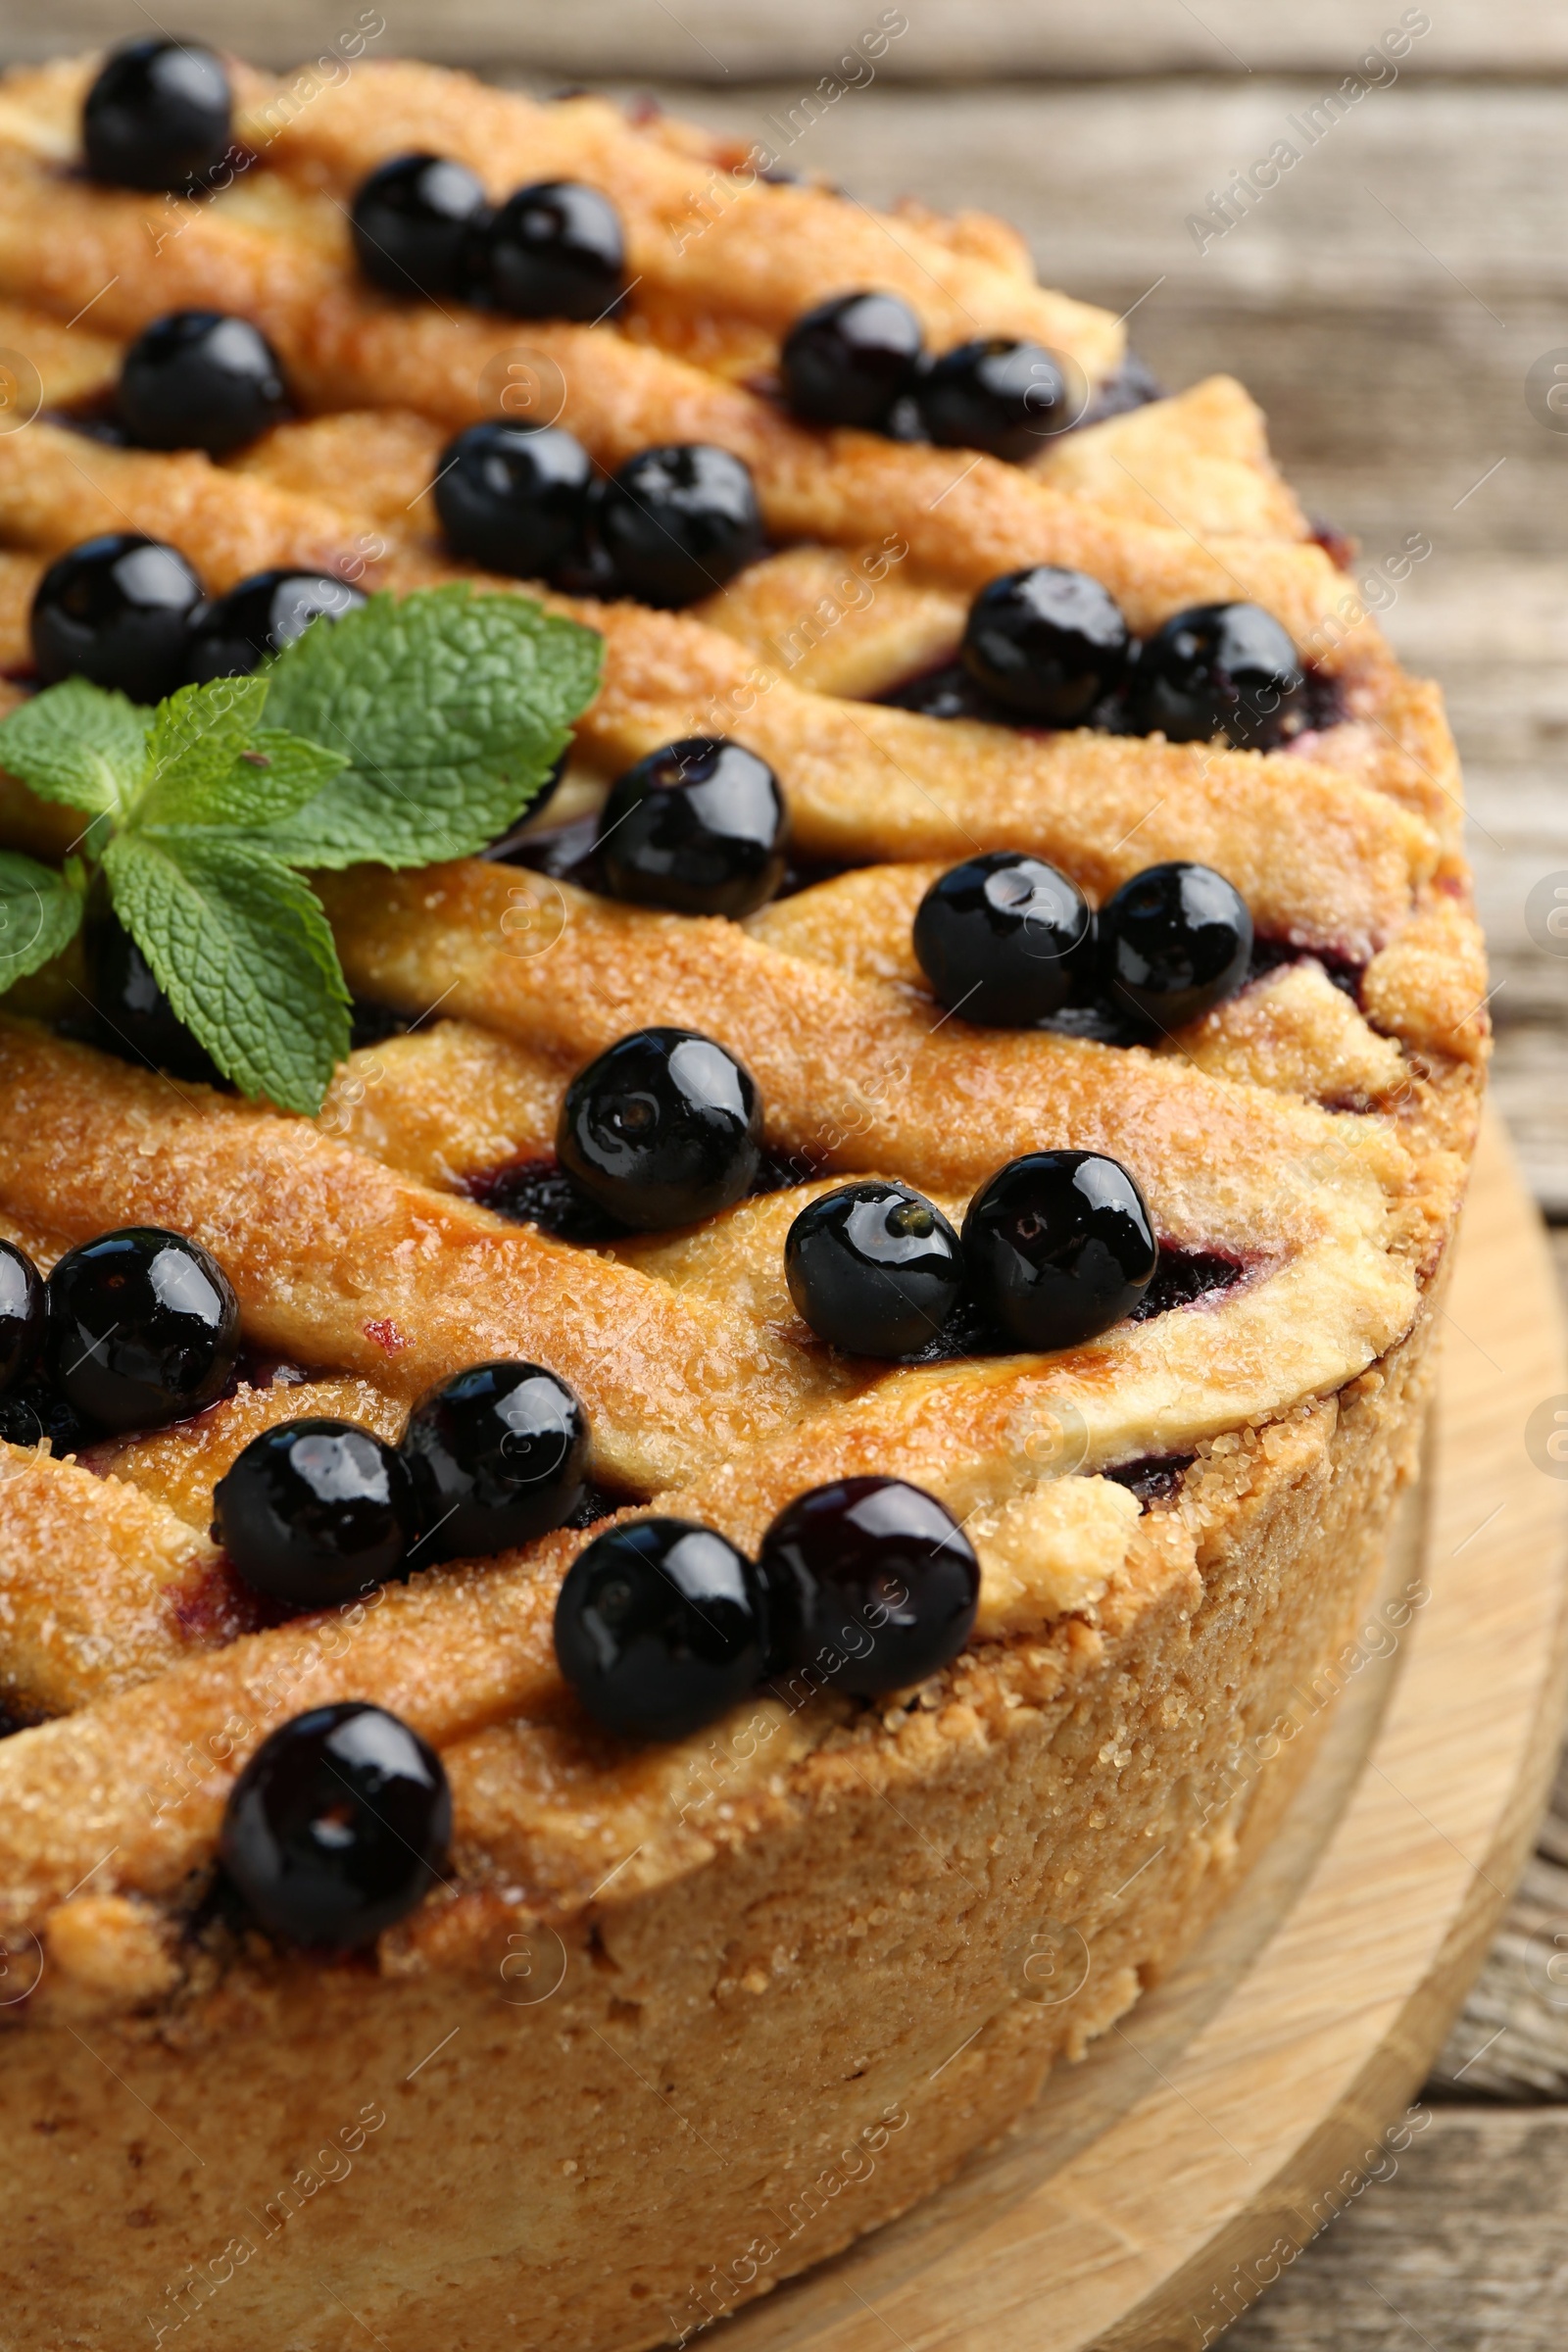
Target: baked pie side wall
<point>744,2069</point>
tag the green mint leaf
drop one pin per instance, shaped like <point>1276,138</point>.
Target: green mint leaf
<point>242,950</point>
<point>275,774</point>
<point>41,910</point>
<point>197,737</point>
<point>451,709</point>
<point>78,743</point>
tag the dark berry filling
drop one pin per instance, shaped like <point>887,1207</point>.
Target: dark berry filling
<point>1183,1277</point>
<point>1155,1478</point>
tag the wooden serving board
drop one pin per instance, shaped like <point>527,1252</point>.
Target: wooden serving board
<point>1159,2186</point>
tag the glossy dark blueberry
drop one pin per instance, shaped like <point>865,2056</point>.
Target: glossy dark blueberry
<point>1002,939</point>
<point>997,395</point>
<point>513,497</point>
<point>413,225</point>
<point>158,115</point>
<point>663,1129</point>
<point>1218,669</point>
<point>700,826</point>
<point>23,1309</point>
<point>677,522</point>
<point>659,1628</point>
<point>498,1455</point>
<point>131,1016</point>
<point>874,1268</point>
<point>201,379</point>
<point>869,1584</point>
<point>1174,941</point>
<point>143,1328</point>
<point>262,615</point>
<point>1060,1246</point>
<point>555,250</point>
<point>338,1826</point>
<point>848,360</point>
<point>1046,642</point>
<point>315,1510</point>
<point>117,609</point>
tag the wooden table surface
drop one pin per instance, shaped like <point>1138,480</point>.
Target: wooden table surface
<point>1385,303</point>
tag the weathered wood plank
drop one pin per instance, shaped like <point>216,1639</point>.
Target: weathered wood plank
<point>720,39</point>
<point>1461,2247</point>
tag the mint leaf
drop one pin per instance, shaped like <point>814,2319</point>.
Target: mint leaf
<point>275,774</point>
<point>196,738</point>
<point>242,950</point>
<point>40,911</point>
<point>451,709</point>
<point>78,743</point>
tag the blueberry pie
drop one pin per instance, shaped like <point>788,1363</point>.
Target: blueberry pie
<point>742,1030</point>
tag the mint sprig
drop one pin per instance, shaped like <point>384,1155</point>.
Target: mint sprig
<point>404,734</point>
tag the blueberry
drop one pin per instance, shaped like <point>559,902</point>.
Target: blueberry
<point>158,115</point>
<point>678,522</point>
<point>1046,642</point>
<point>1060,1246</point>
<point>666,1128</point>
<point>556,250</point>
<point>874,1268</point>
<point>143,1328</point>
<point>513,497</point>
<point>262,615</point>
<point>1219,669</point>
<point>498,1455</point>
<point>1002,939</point>
<point>1174,941</point>
<point>997,395</point>
<point>117,609</point>
<point>659,1628</point>
<point>131,1016</point>
<point>415,223</point>
<point>314,1511</point>
<point>699,827</point>
<point>848,360</point>
<point>201,379</point>
<point>22,1309</point>
<point>338,1826</point>
<point>869,1583</point>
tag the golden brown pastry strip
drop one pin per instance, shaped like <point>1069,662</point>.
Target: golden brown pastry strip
<point>854,1073</point>
<point>101,1587</point>
<point>342,1263</point>
<point>714,241</point>
<point>965,518</point>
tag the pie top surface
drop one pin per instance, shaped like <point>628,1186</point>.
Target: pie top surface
<point>1300,1143</point>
